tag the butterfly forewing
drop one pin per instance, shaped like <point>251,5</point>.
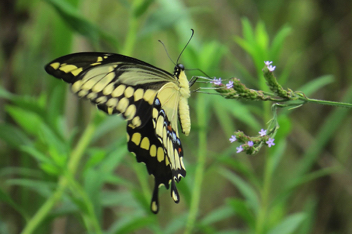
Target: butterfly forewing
<point>146,96</point>
<point>116,83</point>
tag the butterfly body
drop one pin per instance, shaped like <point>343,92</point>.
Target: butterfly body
<point>149,98</point>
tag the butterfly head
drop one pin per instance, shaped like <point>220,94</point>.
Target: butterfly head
<point>179,68</point>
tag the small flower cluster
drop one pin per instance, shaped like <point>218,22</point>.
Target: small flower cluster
<point>270,67</point>
<point>252,144</point>
<point>218,82</point>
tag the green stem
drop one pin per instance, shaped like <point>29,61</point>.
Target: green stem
<point>91,220</point>
<point>132,29</point>
<point>199,173</point>
<point>265,195</point>
<point>331,103</point>
<point>75,157</point>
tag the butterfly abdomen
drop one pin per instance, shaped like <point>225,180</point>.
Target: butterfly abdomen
<point>183,107</point>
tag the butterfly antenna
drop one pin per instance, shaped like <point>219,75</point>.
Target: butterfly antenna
<point>197,69</point>
<point>185,45</point>
<point>167,52</point>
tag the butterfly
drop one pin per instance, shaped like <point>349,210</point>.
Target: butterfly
<point>150,99</point>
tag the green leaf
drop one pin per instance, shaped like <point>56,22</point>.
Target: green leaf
<point>289,224</point>
<point>82,26</point>
<point>162,19</point>
<point>247,31</point>
<point>29,121</point>
<point>278,42</point>
<point>142,8</point>
<point>5,94</point>
<point>237,110</point>
<point>246,190</point>
<point>13,136</point>
<point>217,215</point>
<point>241,209</point>
<point>41,187</point>
<point>42,158</point>
<point>316,84</point>
<point>50,169</point>
<point>262,38</point>
<point>176,224</point>
<point>8,200</point>
<point>108,124</point>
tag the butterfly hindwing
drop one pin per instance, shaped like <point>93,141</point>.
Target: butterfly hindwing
<point>148,149</point>
<point>168,136</point>
<point>163,155</point>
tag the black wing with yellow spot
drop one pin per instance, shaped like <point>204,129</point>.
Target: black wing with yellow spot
<point>149,98</point>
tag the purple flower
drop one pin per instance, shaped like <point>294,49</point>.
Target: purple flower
<point>233,139</point>
<point>217,82</point>
<point>271,68</point>
<point>250,143</point>
<point>239,149</point>
<point>262,132</point>
<point>229,85</point>
<point>270,142</point>
<point>213,80</point>
<point>267,63</point>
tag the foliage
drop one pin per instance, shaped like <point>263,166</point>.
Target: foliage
<point>63,161</point>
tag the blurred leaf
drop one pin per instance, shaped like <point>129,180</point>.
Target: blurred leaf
<point>142,8</point>
<point>261,36</point>
<point>289,224</point>
<point>13,136</point>
<point>74,20</point>
<point>162,19</point>
<point>297,181</point>
<point>237,110</point>
<point>30,123</point>
<point>30,104</point>
<point>176,224</point>
<point>285,125</point>
<point>8,200</point>
<point>117,198</point>
<point>96,156</point>
<point>113,158</point>
<point>241,209</point>
<point>276,155</point>
<point>56,104</point>
<point>109,123</point>
<point>310,208</point>
<point>217,215</point>
<point>40,187</point>
<point>135,224</point>
<point>211,54</point>
<point>5,94</point>
<point>231,231</point>
<point>246,190</point>
<point>278,42</point>
<point>334,121</point>
<point>4,229</point>
<point>132,222</point>
<point>42,158</point>
<point>316,84</point>
<point>82,26</point>
<point>58,149</point>
<point>50,169</point>
<point>247,31</point>
<point>20,171</point>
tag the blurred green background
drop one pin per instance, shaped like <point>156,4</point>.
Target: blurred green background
<point>64,166</point>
